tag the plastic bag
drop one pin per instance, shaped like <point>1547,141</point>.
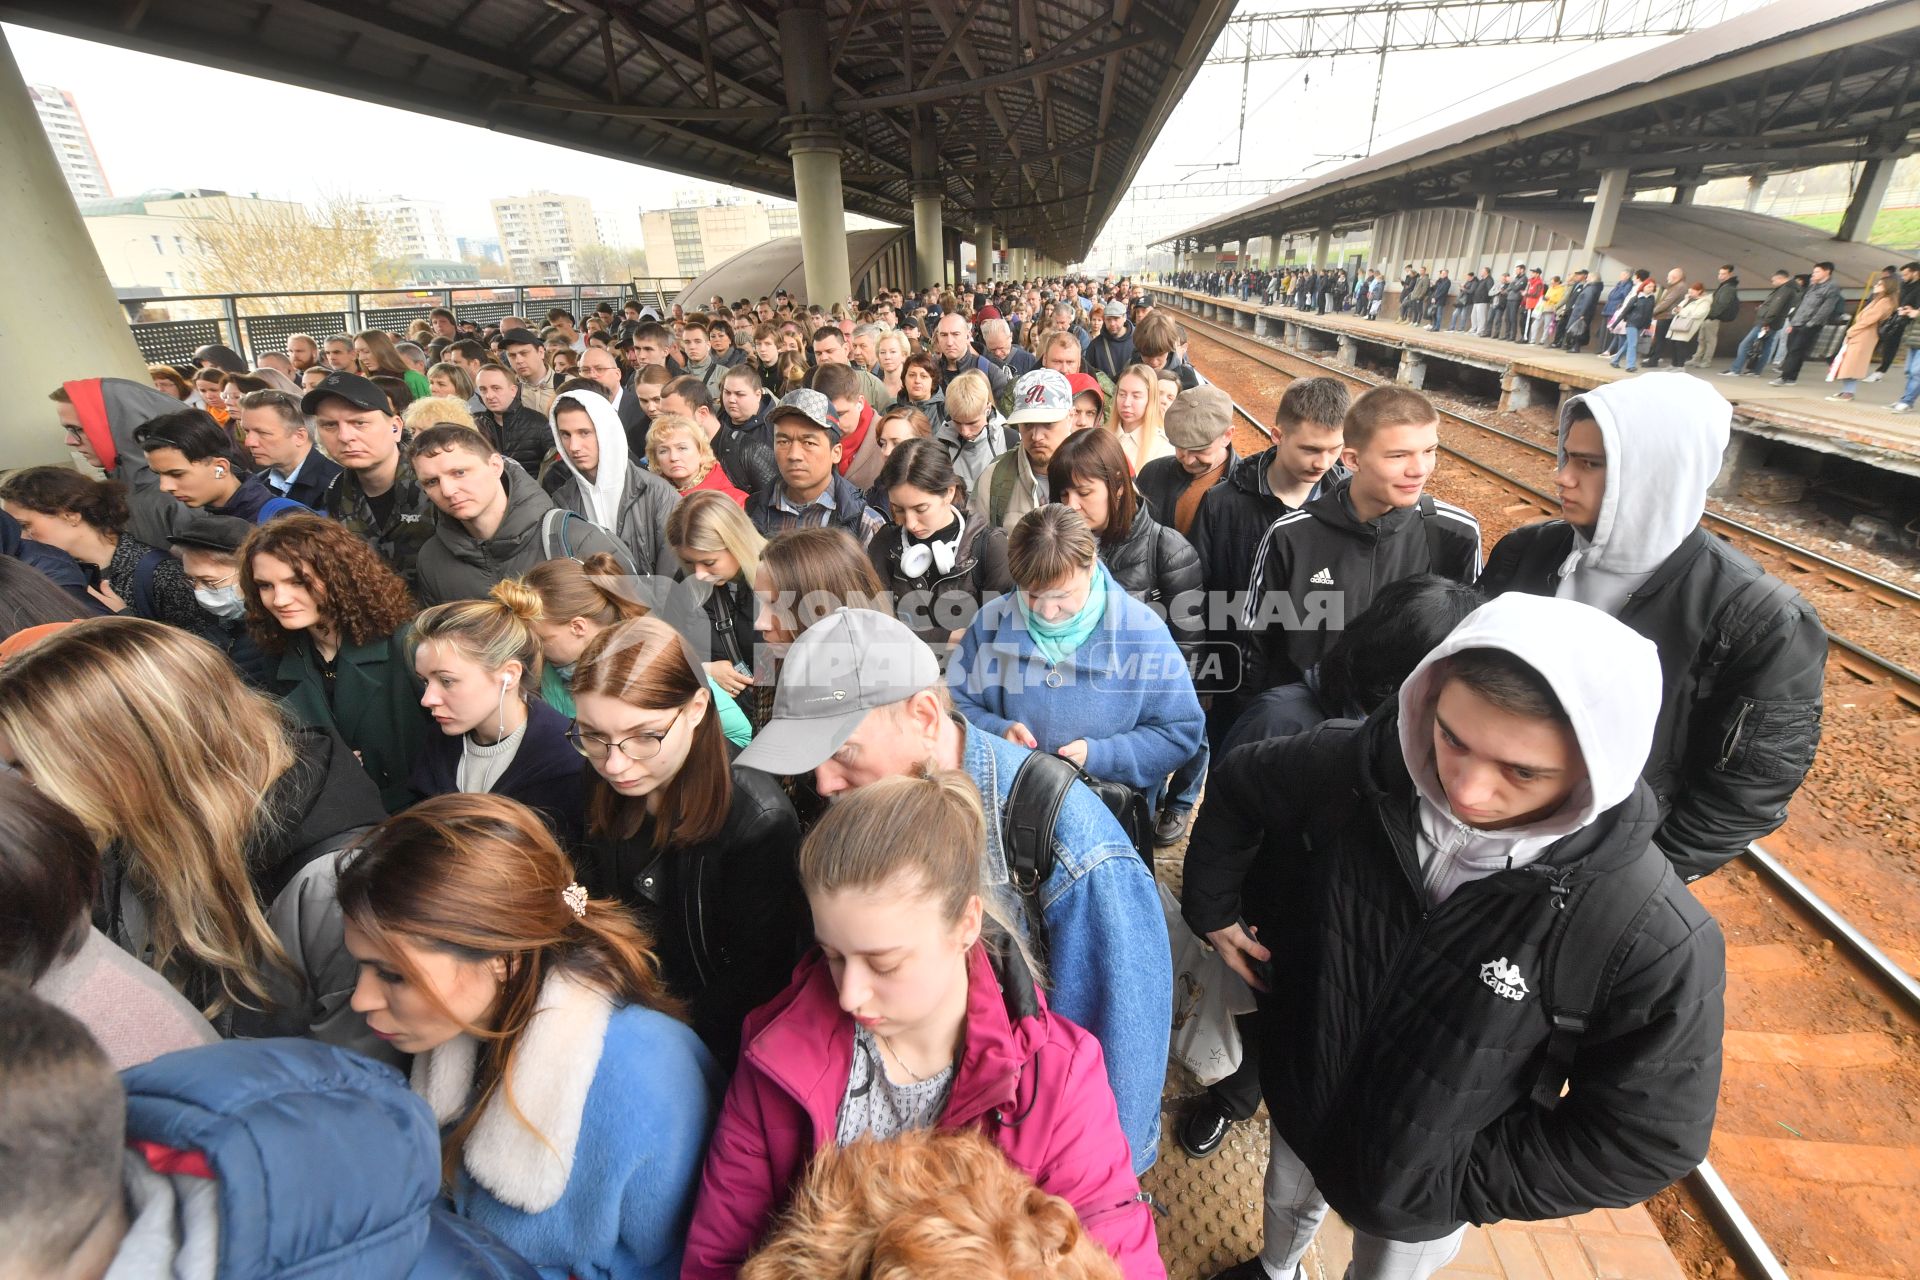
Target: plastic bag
<point>1206,997</point>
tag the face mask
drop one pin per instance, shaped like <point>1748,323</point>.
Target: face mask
<point>221,602</point>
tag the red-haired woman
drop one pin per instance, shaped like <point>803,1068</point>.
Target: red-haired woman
<point>703,848</point>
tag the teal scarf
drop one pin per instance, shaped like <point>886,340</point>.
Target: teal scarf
<point>1058,641</point>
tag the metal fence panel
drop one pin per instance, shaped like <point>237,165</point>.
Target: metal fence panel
<point>483,313</point>
<point>175,341</point>
<point>270,333</point>
<point>395,319</point>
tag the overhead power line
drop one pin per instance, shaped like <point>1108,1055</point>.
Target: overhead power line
<point>1420,25</point>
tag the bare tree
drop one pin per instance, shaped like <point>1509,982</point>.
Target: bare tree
<point>259,247</point>
<point>606,264</point>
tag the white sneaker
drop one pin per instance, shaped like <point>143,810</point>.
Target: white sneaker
<point>1899,406</point>
<point>1875,376</point>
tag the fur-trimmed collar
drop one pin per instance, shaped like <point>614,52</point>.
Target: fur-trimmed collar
<point>552,1072</point>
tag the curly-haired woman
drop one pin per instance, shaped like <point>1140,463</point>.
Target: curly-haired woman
<point>331,618</point>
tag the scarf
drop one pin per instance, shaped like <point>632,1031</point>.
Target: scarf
<point>1058,641</point>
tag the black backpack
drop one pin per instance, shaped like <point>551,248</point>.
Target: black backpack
<point>1027,819</point>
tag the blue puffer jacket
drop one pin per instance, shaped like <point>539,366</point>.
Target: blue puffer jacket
<point>326,1165</point>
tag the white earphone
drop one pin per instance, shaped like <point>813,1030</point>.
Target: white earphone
<point>219,472</point>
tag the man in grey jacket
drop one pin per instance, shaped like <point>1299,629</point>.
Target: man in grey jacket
<point>605,486</point>
<point>1819,306</point>
<point>492,520</point>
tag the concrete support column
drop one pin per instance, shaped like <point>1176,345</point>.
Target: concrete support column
<point>1322,246</point>
<point>1869,193</point>
<point>1240,255</point>
<point>1477,230</point>
<point>54,269</point>
<point>813,141</point>
<point>1606,210</point>
<point>1756,183</point>
<point>983,251</point>
<point>928,235</point>
<point>1685,183</point>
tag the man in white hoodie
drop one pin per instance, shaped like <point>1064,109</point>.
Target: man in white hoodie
<point>1487,995</point>
<point>605,486</point>
<point>1743,655</point>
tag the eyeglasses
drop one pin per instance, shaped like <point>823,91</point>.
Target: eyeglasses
<point>213,584</point>
<point>637,747</point>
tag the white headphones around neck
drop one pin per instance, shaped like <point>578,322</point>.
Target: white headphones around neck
<point>916,556</point>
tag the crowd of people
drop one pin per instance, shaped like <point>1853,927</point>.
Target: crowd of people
<point>1641,320</point>
<point>720,759</point>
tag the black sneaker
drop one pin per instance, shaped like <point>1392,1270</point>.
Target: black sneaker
<point>1204,1127</point>
<point>1170,826</point>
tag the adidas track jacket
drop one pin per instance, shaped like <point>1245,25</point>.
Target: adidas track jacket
<point>1317,568</point>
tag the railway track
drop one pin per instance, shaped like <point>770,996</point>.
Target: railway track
<point>1857,659</point>
<point>1742,1239</point>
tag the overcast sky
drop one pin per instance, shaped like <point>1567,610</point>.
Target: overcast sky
<point>160,123</point>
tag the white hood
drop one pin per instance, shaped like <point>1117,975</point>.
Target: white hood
<point>1607,677</point>
<point>1665,434</point>
<point>610,477</point>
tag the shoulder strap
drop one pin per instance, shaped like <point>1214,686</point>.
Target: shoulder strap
<point>1000,492</point>
<point>1033,805</point>
<point>143,574</point>
<point>1586,945</point>
<point>554,544</point>
<point>1735,623</point>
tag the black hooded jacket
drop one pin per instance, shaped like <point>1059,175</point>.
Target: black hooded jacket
<point>1737,733</point>
<point>1393,1071</point>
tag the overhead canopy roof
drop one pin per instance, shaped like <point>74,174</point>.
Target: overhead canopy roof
<point>1797,84</point>
<point>1043,109</point>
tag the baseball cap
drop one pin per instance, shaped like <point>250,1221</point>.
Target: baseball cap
<point>1198,416</point>
<point>1041,395</point>
<point>357,391</point>
<point>805,402</point>
<point>523,338</point>
<point>838,670</point>
<point>1080,383</point>
<point>1116,309</point>
<point>208,532</point>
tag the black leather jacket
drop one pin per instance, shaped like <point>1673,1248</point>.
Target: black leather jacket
<point>727,914</point>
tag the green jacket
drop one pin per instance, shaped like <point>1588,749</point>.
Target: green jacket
<point>376,705</point>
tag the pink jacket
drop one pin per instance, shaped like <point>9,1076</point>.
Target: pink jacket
<point>1030,1080</point>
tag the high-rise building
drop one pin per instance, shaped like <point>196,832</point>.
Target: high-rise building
<point>541,232</point>
<point>411,228</point>
<point>686,240</point>
<point>71,142</point>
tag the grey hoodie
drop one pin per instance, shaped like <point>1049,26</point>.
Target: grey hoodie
<point>129,406</point>
<point>631,502</point>
<point>454,565</point>
<point>1607,677</point>
<point>1664,435</point>
<point>971,458</point>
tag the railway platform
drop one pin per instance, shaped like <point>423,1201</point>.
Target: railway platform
<point>1861,430</point>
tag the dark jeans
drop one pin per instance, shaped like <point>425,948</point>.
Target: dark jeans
<point>1239,1094</point>
<point>1657,352</point>
<point>1799,343</point>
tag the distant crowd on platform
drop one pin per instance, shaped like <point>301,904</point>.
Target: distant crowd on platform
<point>1639,319</point>
<point>635,795</point>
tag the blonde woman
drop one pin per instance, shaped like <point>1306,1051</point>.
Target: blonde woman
<point>719,547</point>
<point>432,411</point>
<point>218,822</point>
<point>680,453</point>
<point>480,664</point>
<point>891,350</point>
<point>450,380</point>
<point>1136,417</point>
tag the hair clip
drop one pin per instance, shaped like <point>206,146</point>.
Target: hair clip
<point>575,896</point>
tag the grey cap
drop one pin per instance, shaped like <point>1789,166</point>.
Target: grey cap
<point>804,402</point>
<point>1041,395</point>
<point>1117,309</point>
<point>1198,416</point>
<point>840,668</point>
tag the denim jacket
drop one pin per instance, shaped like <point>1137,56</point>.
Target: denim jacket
<point>1109,966</point>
